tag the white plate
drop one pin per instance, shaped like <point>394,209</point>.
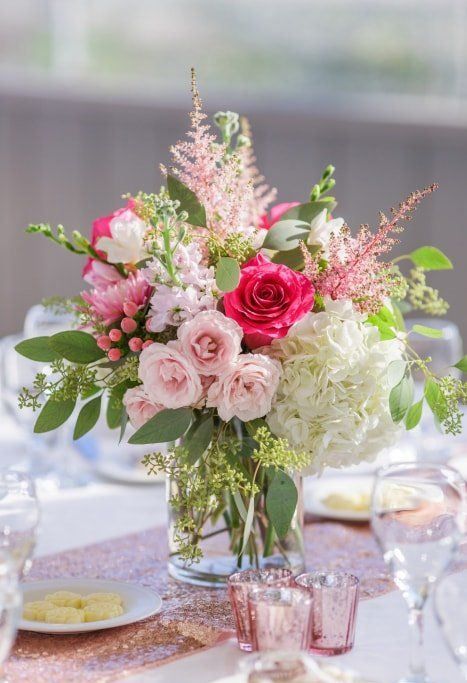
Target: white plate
<point>317,490</point>
<point>138,603</point>
<point>459,463</point>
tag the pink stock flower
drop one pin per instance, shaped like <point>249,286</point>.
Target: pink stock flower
<point>211,341</point>
<point>139,407</point>
<point>246,388</point>
<point>168,376</point>
<point>101,228</point>
<point>268,300</point>
<point>107,304</point>
<point>275,214</point>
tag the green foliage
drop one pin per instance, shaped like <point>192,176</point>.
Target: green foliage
<point>168,425</point>
<point>400,399</point>
<point>443,395</point>
<point>274,452</point>
<point>286,234</point>
<point>87,418</point>
<point>38,349</point>
<point>422,297</point>
<point>386,323</point>
<point>281,502</point>
<point>430,258</point>
<point>76,346</point>
<point>227,274</point>
<point>53,415</point>
<point>188,201</point>
<point>414,415</point>
<point>396,371</point>
<point>198,438</point>
<point>64,382</point>
<point>235,245</point>
<point>462,364</point>
<point>325,184</point>
<point>425,331</point>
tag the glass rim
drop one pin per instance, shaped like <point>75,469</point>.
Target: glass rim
<point>348,580</point>
<point>408,465</point>
<point>259,595</point>
<point>240,578</point>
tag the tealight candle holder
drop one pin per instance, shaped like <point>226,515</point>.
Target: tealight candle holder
<point>335,600</point>
<point>239,587</point>
<point>280,618</point>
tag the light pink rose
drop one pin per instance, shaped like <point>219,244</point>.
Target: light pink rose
<point>168,376</point>
<point>211,341</point>
<point>246,389</point>
<point>139,407</point>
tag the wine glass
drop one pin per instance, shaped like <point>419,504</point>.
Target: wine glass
<point>417,518</point>
<point>451,613</point>
<point>10,607</point>
<point>19,518</point>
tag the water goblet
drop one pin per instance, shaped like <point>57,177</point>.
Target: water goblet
<point>10,607</point>
<point>451,613</point>
<point>19,517</point>
<point>417,518</point>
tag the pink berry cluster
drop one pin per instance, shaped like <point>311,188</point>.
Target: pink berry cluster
<point>119,339</point>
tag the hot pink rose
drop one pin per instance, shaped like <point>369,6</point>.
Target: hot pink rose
<point>269,299</point>
<point>211,341</point>
<point>245,389</point>
<point>138,406</point>
<point>276,212</point>
<point>101,228</point>
<point>168,376</point>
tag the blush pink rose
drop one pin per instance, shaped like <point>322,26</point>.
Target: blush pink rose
<point>268,300</point>
<point>168,376</point>
<point>211,341</point>
<point>101,228</point>
<point>246,389</point>
<point>138,406</point>
<point>267,221</point>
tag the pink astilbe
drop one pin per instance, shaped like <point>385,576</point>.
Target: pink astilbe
<point>226,186</point>
<point>354,270</point>
<point>107,305</point>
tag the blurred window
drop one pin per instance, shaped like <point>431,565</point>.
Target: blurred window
<point>297,50</point>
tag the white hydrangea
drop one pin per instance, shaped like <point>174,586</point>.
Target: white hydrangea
<point>333,396</point>
<point>173,304</point>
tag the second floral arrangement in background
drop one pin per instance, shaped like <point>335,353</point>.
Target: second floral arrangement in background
<point>261,344</point>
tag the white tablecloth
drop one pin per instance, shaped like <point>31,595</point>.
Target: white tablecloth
<point>100,511</point>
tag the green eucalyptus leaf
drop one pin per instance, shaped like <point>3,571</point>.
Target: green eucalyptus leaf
<point>188,201</point>
<point>87,418</point>
<point>250,515</point>
<point>281,502</point>
<point>435,399</point>
<point>430,258</point>
<point>294,257</point>
<point>114,411</point>
<point>462,364</point>
<point>253,425</point>
<point>168,425</point>
<point>286,235</point>
<point>198,438</point>
<point>76,346</point>
<point>396,371</point>
<point>37,348</point>
<point>414,415</point>
<point>227,274</point>
<point>400,399</point>
<point>306,212</point>
<point>53,415</point>
<point>425,331</point>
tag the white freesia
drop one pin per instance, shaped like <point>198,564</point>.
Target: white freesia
<point>321,230</point>
<point>127,242</point>
<point>333,396</point>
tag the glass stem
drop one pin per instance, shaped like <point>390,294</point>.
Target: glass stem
<point>417,655</point>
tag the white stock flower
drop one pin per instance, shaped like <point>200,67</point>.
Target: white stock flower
<point>127,242</point>
<point>321,229</point>
<point>333,395</point>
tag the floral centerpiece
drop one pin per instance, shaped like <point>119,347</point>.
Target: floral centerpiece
<point>261,345</point>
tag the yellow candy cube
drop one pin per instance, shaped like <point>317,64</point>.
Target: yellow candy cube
<point>36,611</point>
<point>99,611</point>
<point>112,598</point>
<point>64,615</point>
<point>65,599</point>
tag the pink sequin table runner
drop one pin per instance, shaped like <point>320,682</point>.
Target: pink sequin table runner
<point>191,618</point>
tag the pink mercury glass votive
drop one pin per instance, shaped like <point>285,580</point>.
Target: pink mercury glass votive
<point>280,618</point>
<point>240,585</point>
<point>335,600</point>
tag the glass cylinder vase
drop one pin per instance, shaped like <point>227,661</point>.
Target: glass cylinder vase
<point>224,546</point>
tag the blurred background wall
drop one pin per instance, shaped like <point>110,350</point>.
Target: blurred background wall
<point>92,93</point>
